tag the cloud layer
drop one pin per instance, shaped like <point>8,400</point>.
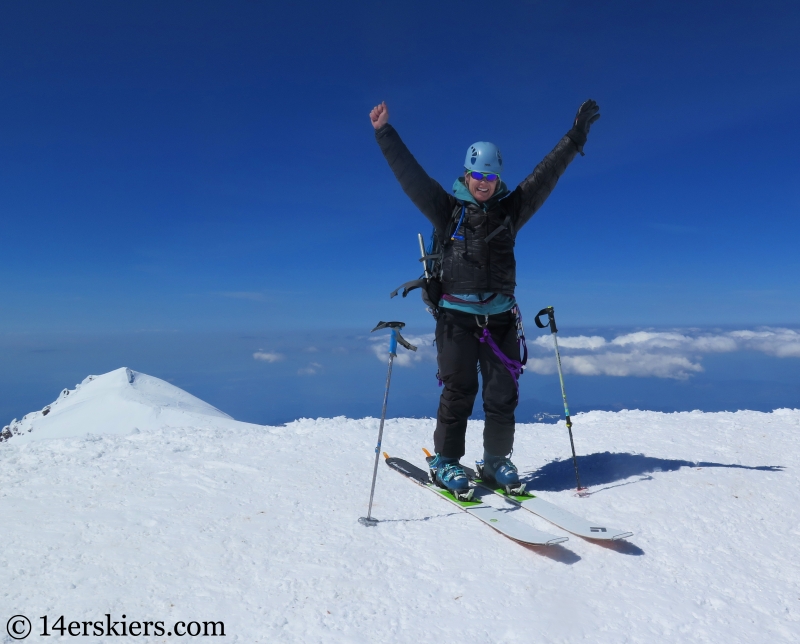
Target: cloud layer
<point>675,354</point>
<point>660,354</point>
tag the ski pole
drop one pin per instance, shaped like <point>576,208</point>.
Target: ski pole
<point>393,341</point>
<point>553,331</point>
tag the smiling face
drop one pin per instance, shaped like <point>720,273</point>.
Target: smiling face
<point>481,190</point>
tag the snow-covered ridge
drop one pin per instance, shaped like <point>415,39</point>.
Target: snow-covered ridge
<point>118,402</point>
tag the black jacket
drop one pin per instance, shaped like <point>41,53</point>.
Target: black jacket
<point>473,265</point>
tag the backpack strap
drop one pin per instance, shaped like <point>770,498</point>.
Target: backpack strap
<point>451,228</point>
<point>506,224</point>
<point>454,235</point>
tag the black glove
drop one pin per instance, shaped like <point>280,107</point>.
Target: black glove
<point>587,114</point>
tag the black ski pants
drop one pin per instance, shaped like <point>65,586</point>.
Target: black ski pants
<point>459,352</point>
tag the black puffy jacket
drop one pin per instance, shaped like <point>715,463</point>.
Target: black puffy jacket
<point>471,264</point>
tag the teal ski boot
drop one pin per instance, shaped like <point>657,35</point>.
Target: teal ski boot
<point>447,473</point>
<point>501,472</point>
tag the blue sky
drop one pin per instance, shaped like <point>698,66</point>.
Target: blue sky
<point>205,167</point>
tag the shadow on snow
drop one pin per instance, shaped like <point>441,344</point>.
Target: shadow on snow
<point>606,467</point>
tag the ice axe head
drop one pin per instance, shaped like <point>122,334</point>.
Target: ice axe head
<point>388,325</point>
<point>396,337</point>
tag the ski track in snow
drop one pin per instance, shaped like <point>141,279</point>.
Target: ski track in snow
<point>213,519</point>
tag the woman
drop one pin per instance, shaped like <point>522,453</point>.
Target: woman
<point>478,225</point>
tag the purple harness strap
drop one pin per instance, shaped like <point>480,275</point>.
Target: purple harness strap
<point>514,367</point>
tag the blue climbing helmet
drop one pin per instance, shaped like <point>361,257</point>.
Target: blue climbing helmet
<point>484,157</point>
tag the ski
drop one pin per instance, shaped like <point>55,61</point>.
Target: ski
<point>494,518</point>
<point>554,514</point>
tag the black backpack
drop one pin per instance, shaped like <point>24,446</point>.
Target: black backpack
<point>431,279</point>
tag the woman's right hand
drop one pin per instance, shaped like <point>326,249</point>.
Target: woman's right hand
<point>379,115</point>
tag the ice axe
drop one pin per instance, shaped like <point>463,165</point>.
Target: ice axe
<point>394,340</point>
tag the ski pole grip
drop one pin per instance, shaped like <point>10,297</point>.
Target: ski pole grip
<point>551,321</point>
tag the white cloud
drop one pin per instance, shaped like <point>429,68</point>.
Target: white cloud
<point>673,340</point>
<point>650,339</point>
<point>660,354</point>
<point>268,356</point>
<point>541,365</point>
<point>573,342</point>
<point>635,363</point>
<point>714,344</point>
<point>311,370</point>
<point>783,343</point>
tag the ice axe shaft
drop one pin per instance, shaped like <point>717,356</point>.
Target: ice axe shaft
<point>423,254</point>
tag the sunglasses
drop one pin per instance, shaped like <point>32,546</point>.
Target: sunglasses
<point>481,176</point>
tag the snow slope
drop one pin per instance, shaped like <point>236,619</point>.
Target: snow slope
<point>195,516</point>
<point>115,403</point>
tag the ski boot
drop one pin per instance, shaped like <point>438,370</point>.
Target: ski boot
<point>501,472</point>
<point>447,473</point>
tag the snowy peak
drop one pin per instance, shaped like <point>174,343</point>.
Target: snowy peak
<point>118,402</point>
